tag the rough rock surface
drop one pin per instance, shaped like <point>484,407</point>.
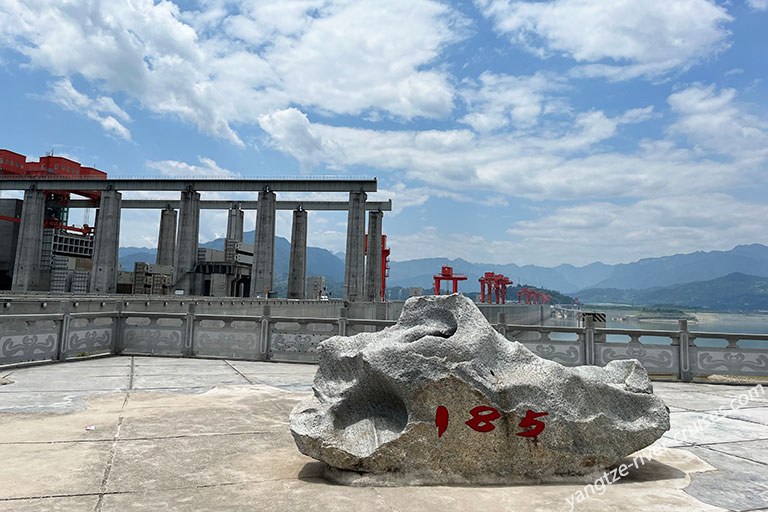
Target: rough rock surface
<point>376,397</point>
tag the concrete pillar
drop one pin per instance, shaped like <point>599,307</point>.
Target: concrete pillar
<point>297,269</point>
<point>235,224</point>
<point>186,242</point>
<point>106,244</point>
<point>373,263</point>
<point>264,245</point>
<point>166,240</point>
<point>26,268</point>
<point>354,268</point>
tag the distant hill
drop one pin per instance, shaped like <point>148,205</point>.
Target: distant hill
<point>629,283</point>
<point>735,292</point>
<point>419,273</point>
<point>688,268</point>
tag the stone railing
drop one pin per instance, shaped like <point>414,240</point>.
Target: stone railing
<point>680,358</point>
<point>28,338</point>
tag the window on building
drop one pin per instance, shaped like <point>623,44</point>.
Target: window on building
<point>56,166</point>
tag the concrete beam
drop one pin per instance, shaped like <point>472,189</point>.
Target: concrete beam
<point>235,224</point>
<point>354,268</point>
<point>264,245</point>
<point>373,263</point>
<point>158,204</point>
<point>166,239</point>
<point>186,242</point>
<point>301,184</point>
<point>26,269</point>
<point>297,266</point>
<point>106,244</point>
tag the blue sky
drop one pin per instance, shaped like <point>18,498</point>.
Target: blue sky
<point>547,132</point>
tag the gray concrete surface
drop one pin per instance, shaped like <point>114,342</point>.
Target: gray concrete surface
<point>26,270</point>
<point>166,238</point>
<point>354,266</point>
<point>262,273</point>
<point>235,218</point>
<point>297,264</point>
<point>187,238</point>
<point>197,434</point>
<point>106,244</point>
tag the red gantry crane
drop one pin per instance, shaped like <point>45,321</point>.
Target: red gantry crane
<point>495,284</point>
<point>446,274</point>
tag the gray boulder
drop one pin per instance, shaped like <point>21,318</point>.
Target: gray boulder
<point>379,398</point>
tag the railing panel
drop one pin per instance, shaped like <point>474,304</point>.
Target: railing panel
<point>35,338</point>
<point>657,359</point>
<point>568,353</point>
<point>142,334</point>
<point>297,341</point>
<point>89,335</point>
<point>731,360</point>
<point>236,339</point>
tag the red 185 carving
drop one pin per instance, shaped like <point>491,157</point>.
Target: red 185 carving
<point>482,422</point>
<point>441,420</point>
<point>531,421</point>
<point>483,417</point>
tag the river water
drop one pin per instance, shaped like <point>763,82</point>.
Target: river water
<point>706,322</point>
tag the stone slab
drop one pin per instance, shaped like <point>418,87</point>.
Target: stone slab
<point>39,470</point>
<point>58,504</point>
<point>741,484</point>
<point>701,428</point>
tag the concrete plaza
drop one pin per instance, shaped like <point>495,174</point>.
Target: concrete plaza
<point>196,434</point>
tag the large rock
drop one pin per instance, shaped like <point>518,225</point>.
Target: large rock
<point>377,396</point>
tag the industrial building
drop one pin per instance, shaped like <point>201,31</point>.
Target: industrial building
<point>48,255</point>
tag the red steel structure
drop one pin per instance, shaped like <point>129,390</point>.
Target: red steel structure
<point>495,284</point>
<point>446,274</point>
<point>384,266</point>
<point>531,296</point>
<point>16,165</point>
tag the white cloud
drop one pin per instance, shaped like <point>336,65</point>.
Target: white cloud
<point>760,5</point>
<point>208,169</point>
<point>500,100</point>
<point>102,109</point>
<point>716,123</point>
<point>604,231</point>
<point>226,65</point>
<point>567,165</point>
<point>618,39</point>
<point>648,228</point>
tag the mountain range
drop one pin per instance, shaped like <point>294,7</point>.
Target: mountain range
<point>593,282</point>
<point>735,291</point>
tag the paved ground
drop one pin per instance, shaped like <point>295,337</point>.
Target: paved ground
<point>183,434</point>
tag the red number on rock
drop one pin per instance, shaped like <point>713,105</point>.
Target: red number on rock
<point>482,422</point>
<point>531,421</point>
<point>441,420</point>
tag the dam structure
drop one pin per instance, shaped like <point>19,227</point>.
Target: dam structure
<point>69,298</point>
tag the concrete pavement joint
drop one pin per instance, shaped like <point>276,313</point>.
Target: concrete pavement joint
<point>709,447</point>
<point>108,469</point>
<point>239,372</point>
<point>145,438</point>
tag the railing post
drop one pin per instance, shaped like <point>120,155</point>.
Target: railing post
<point>502,326</point>
<point>189,330</point>
<point>685,373</point>
<point>589,339</point>
<point>343,322</point>
<point>63,334</point>
<point>117,342</point>
<point>265,334</point>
